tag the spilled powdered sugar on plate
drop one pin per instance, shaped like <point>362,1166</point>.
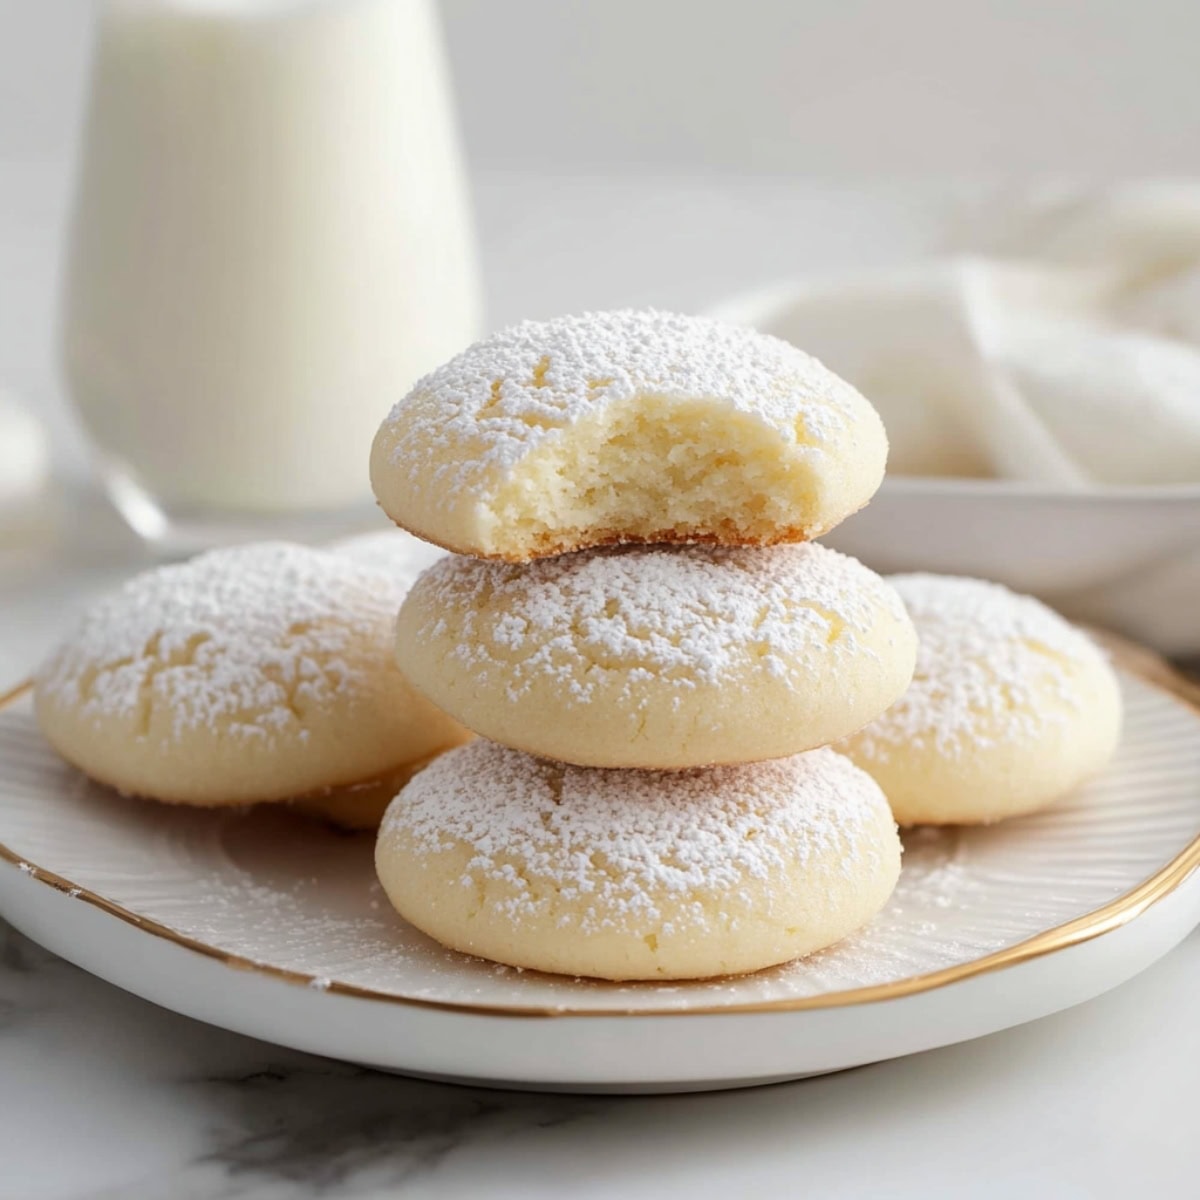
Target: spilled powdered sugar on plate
<point>290,894</point>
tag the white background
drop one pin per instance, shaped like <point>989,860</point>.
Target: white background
<point>860,87</point>
<point>655,151</point>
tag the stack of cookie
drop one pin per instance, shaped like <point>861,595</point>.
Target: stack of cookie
<point>658,657</point>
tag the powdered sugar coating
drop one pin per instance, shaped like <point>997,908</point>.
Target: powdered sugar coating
<point>248,638</point>
<point>509,393</point>
<point>618,846</point>
<point>686,617</point>
<point>987,659</point>
<point>400,554</point>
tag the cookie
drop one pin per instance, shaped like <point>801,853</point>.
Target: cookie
<point>620,427</point>
<point>261,673</point>
<point>361,806</point>
<point>659,657</point>
<point>1009,708</point>
<point>400,554</point>
<point>637,874</point>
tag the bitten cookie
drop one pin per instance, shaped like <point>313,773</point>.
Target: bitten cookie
<point>254,674</point>
<point>626,427</point>
<point>1009,708</point>
<point>659,657</point>
<point>637,874</point>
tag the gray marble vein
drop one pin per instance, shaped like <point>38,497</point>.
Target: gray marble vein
<point>213,1114</point>
<point>325,1129</point>
<point>105,1097</point>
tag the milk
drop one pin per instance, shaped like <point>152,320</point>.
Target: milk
<point>271,244</point>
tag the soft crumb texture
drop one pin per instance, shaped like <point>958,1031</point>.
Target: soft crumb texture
<point>258,673</point>
<point>637,874</point>
<point>663,657</point>
<point>1010,706</point>
<point>626,427</point>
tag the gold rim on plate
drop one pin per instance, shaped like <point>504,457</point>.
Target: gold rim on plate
<point>1136,660</point>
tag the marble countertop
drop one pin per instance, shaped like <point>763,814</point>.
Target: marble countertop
<point>104,1096</point>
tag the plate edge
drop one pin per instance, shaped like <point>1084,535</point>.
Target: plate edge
<point>1137,660</point>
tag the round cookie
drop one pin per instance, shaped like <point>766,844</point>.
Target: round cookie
<point>361,805</point>
<point>622,427</point>
<point>400,554</point>
<point>1010,706</point>
<point>637,874</point>
<point>659,657</point>
<point>253,674</point>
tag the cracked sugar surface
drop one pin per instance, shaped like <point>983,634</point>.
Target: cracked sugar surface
<point>992,666</point>
<point>688,616</point>
<point>625,426</point>
<point>626,849</point>
<point>250,638</point>
<point>511,389</point>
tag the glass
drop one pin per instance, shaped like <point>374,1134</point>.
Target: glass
<point>270,244</point>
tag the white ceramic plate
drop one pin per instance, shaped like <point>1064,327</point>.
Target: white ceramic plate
<point>272,926</point>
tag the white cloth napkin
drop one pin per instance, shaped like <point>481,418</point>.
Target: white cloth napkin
<point>1068,355</point>
<point>1056,343</point>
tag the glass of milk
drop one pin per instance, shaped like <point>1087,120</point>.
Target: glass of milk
<point>271,243</point>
